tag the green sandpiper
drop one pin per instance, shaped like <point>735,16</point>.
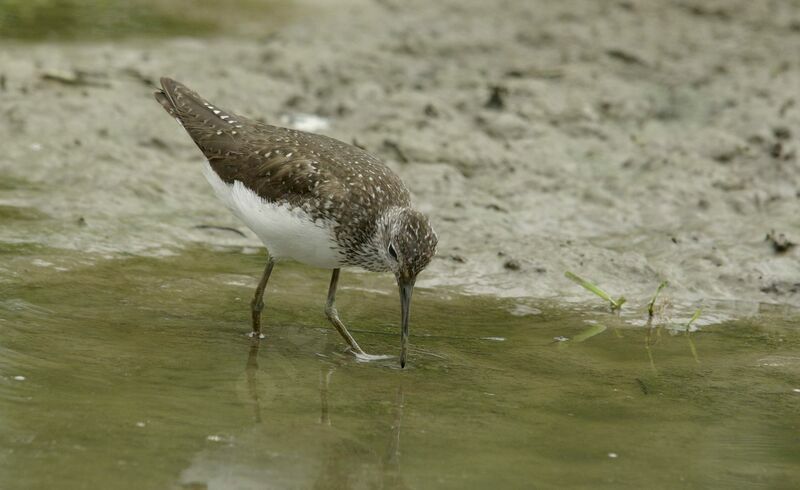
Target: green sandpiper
<point>309,198</point>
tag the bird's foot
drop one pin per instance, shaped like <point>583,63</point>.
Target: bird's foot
<point>362,356</point>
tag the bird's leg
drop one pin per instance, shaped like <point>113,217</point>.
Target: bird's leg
<point>257,304</point>
<point>333,314</point>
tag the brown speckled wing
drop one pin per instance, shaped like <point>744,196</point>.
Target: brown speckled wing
<point>211,128</point>
<point>329,179</point>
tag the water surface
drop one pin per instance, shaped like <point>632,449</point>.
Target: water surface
<point>136,373</point>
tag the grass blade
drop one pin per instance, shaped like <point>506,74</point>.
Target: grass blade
<point>653,301</point>
<point>694,317</point>
<point>615,303</point>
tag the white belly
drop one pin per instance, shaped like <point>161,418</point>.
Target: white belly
<point>287,233</point>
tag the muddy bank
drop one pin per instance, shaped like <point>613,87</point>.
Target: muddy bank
<point>629,142</point>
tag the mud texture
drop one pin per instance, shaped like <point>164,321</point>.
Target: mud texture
<point>628,141</point>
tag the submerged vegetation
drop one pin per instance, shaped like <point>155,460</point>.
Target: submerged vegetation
<point>694,318</point>
<point>616,304</point>
<point>692,347</point>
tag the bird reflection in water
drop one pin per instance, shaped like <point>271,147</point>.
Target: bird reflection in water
<point>345,460</point>
<point>251,370</point>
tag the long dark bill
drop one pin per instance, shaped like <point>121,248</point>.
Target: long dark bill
<point>406,288</point>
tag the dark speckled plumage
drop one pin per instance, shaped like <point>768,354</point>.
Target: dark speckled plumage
<point>328,179</point>
<point>309,197</point>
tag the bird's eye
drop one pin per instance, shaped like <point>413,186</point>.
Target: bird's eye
<point>392,251</point>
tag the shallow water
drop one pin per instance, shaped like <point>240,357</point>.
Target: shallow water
<point>132,372</point>
<point>136,373</point>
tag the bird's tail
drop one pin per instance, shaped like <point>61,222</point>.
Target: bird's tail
<point>212,129</point>
<point>181,102</point>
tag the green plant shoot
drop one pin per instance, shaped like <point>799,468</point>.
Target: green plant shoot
<point>616,304</point>
<point>694,317</point>
<point>652,304</point>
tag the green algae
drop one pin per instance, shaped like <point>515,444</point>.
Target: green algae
<point>17,213</point>
<point>71,20</point>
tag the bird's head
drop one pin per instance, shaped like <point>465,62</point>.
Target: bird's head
<point>409,246</point>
